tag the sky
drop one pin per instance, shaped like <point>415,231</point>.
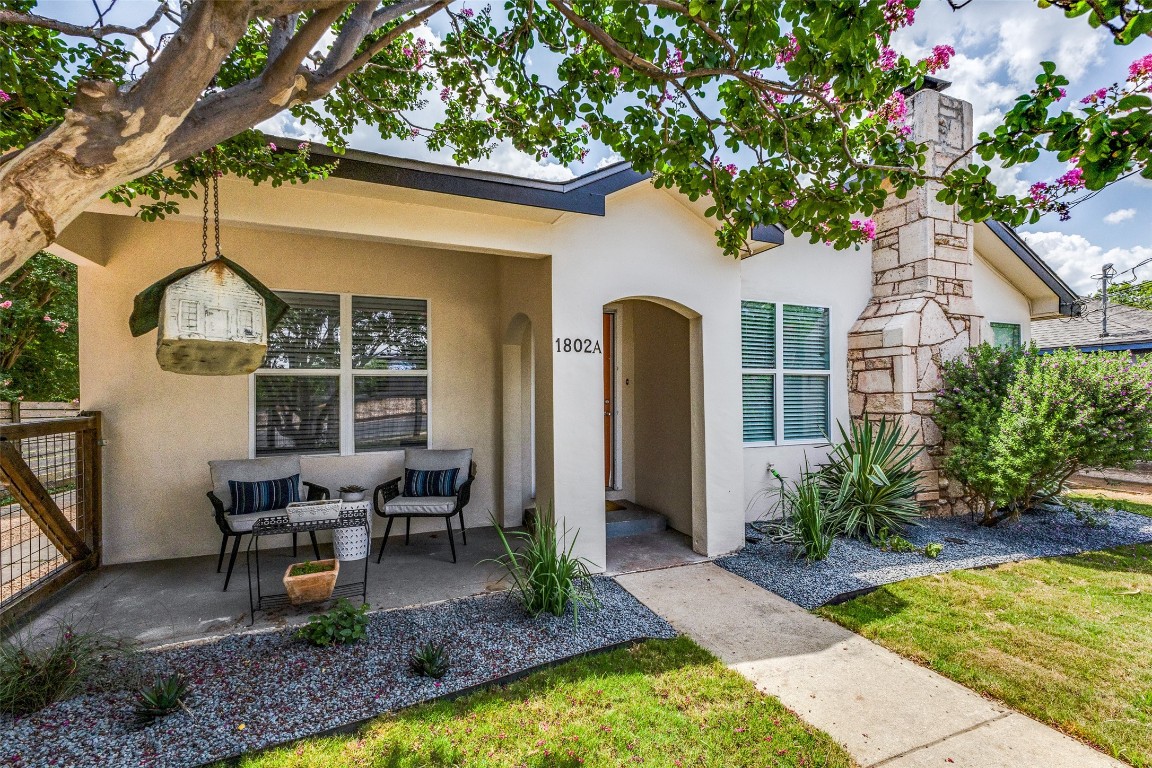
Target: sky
<point>999,46</point>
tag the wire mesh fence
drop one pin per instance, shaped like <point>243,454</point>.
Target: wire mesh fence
<point>48,478</point>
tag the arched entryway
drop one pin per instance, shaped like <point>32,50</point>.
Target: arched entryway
<point>653,432</point>
<point>519,430</point>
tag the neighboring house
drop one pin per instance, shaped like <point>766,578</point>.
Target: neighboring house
<point>1129,329</point>
<point>587,339</point>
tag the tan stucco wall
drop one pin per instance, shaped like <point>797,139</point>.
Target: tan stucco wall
<point>662,418</point>
<point>998,300</point>
<point>163,428</point>
<point>799,272</point>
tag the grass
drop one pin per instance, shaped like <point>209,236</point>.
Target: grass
<point>1127,505</point>
<point>1067,640</point>
<point>661,703</point>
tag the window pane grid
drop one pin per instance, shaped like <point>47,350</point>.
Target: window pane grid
<point>758,334</point>
<point>324,391</point>
<point>759,408</point>
<point>806,338</point>
<point>805,407</point>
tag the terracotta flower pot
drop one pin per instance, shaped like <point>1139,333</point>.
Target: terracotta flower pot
<point>311,587</point>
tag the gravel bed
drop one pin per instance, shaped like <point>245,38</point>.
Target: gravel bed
<point>256,690</point>
<point>854,566</point>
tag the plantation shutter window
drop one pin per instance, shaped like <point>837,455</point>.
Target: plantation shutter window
<point>786,360</point>
<point>1006,334</point>
<point>343,374</point>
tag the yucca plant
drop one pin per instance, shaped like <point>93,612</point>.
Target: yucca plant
<point>546,575</point>
<point>430,660</point>
<point>870,479</point>
<point>163,697</point>
<point>800,517</point>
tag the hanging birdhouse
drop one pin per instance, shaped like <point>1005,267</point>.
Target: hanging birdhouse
<point>212,319</point>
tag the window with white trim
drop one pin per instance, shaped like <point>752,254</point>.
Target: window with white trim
<point>786,361</point>
<point>1005,334</point>
<point>343,374</point>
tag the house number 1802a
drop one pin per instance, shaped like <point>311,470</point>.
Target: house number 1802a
<point>587,346</point>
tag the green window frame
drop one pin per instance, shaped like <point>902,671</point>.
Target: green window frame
<point>786,373</point>
<point>1005,334</point>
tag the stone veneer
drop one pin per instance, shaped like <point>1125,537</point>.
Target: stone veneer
<point>921,311</point>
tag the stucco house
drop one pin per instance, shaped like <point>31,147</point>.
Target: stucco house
<point>587,339</point>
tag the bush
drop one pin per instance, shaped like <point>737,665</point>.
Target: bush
<point>871,480</point>
<point>545,575</point>
<point>38,670</point>
<point>1017,424</point>
<point>346,623</point>
<point>800,517</point>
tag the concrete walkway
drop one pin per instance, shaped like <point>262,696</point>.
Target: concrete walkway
<point>885,710</point>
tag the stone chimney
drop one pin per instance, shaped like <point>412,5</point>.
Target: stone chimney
<point>921,311</point>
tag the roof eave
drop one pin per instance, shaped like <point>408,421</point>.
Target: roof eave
<point>1069,301</point>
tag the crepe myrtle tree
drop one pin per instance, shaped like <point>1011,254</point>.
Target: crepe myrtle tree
<point>781,112</point>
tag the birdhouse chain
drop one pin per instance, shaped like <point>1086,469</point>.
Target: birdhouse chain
<point>215,217</point>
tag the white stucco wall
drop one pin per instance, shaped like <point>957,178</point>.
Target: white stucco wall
<point>799,272</point>
<point>998,300</point>
<point>163,428</point>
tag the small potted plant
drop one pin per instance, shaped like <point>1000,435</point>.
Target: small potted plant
<point>352,493</point>
<point>311,581</point>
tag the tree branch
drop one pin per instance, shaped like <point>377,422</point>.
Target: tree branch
<point>97,31</point>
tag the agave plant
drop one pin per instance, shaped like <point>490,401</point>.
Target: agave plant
<point>546,575</point>
<point>430,660</point>
<point>163,697</point>
<point>871,479</point>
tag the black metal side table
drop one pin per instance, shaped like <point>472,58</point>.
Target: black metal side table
<point>270,526</point>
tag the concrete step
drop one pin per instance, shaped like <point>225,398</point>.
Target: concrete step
<point>633,521</point>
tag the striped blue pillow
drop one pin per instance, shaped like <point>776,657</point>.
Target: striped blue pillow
<point>263,495</point>
<point>430,482</point>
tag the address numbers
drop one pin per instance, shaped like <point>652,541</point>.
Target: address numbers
<point>585,346</point>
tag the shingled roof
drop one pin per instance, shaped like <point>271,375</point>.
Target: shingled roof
<point>1128,328</point>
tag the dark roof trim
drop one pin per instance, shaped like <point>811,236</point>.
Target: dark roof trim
<point>930,84</point>
<point>1069,301</point>
<point>584,194</point>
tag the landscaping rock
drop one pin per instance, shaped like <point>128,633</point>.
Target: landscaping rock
<point>255,690</point>
<point>854,567</point>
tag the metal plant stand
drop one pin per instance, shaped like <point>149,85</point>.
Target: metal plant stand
<point>270,526</point>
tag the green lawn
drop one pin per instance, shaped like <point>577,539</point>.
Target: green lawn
<point>658,703</point>
<point>1067,640</point>
<point>1087,494</point>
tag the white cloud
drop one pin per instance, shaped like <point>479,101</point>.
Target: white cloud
<point>1076,259</point>
<point>1121,215</point>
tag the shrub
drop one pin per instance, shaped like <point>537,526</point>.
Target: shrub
<point>933,550</point>
<point>39,669</point>
<point>430,660</point>
<point>346,623</point>
<point>870,479</point>
<point>309,567</point>
<point>1017,424</point>
<point>545,575</point>
<point>886,541</point>
<point>800,516</point>
<point>162,698</point>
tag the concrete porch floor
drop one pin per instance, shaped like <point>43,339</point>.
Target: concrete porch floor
<point>168,601</point>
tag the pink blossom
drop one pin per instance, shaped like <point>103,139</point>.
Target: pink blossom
<point>271,146</point>
<point>48,319</point>
<point>4,97</point>
<point>897,14</point>
<point>1040,194</point>
<point>895,109</point>
<point>468,13</point>
<point>887,60</point>
<point>407,51</point>
<point>674,63</point>
<point>1141,67</point>
<point>62,327</point>
<point>1063,94</point>
<point>1095,96</point>
<point>1073,178</point>
<point>789,204</point>
<point>5,304</point>
<point>303,146</point>
<point>788,52</point>
<point>445,94</point>
<point>615,72</point>
<point>865,226</point>
<point>941,55</point>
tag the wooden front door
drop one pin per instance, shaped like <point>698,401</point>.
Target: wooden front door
<point>609,396</point>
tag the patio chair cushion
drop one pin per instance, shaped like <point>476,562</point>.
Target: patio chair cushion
<point>249,470</point>
<point>430,482</point>
<point>420,505</point>
<point>426,458</point>
<point>263,495</point>
<point>244,523</point>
